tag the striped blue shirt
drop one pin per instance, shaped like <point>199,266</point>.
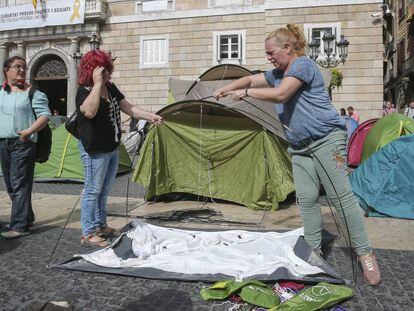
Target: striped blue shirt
<point>16,114</point>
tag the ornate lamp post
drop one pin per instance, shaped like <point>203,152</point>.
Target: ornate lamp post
<point>329,42</point>
<point>77,56</point>
<point>94,41</point>
<point>112,57</point>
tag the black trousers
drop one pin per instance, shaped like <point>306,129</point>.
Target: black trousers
<point>17,165</point>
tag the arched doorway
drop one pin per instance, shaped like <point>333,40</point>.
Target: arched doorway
<point>51,77</point>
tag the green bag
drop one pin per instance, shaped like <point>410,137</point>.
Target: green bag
<point>223,289</point>
<point>259,296</point>
<point>253,292</point>
<point>320,296</point>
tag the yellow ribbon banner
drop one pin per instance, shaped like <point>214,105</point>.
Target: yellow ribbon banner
<point>76,7</point>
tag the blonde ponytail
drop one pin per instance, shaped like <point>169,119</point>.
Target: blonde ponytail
<point>291,34</point>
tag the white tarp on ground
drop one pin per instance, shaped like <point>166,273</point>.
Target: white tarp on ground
<point>234,253</point>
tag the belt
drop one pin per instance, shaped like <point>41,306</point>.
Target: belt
<point>8,139</point>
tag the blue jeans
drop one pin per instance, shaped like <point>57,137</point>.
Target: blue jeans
<point>17,164</point>
<point>100,172</point>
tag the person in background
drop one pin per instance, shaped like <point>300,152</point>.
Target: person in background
<point>353,114</point>
<point>388,109</point>
<point>297,83</point>
<point>409,111</point>
<point>18,137</point>
<point>342,112</point>
<point>99,103</point>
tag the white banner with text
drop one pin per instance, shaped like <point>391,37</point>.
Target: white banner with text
<point>46,13</point>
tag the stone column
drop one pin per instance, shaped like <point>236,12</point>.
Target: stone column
<point>3,57</point>
<point>73,75</point>
<point>21,49</point>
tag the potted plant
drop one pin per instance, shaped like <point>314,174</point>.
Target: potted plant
<point>336,81</point>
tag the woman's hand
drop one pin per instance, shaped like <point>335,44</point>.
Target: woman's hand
<point>219,93</point>
<point>238,94</point>
<point>155,119</point>
<point>97,75</point>
<point>24,135</point>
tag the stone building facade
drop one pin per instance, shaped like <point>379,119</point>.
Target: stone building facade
<point>399,52</point>
<point>158,39</point>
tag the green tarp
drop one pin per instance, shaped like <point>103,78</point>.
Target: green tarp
<point>65,163</point>
<point>218,154</point>
<point>384,131</point>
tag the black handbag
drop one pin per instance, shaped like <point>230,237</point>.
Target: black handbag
<point>44,137</point>
<point>71,125</point>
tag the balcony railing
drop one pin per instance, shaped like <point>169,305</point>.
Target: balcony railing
<point>96,10</point>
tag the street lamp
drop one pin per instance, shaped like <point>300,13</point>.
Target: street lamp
<point>77,56</point>
<point>329,42</point>
<point>94,41</point>
<point>112,57</point>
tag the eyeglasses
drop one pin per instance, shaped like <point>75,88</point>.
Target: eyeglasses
<point>18,67</point>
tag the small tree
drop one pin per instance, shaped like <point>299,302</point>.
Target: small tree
<point>336,81</point>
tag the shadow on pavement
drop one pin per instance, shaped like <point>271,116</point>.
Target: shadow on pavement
<point>179,300</point>
<point>8,245</point>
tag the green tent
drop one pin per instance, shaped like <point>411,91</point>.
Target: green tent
<point>384,131</point>
<point>224,149</point>
<point>65,163</point>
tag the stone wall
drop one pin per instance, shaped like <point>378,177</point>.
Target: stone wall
<point>191,47</point>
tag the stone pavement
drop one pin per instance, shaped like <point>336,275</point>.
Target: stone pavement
<point>25,277</point>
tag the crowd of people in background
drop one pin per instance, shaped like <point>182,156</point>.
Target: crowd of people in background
<point>388,108</point>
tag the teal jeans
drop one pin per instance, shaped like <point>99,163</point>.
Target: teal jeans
<point>308,174</point>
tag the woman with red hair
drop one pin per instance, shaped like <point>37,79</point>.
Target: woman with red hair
<point>99,104</point>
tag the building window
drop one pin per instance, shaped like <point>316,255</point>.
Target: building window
<point>154,52</point>
<point>316,32</point>
<point>150,6</point>
<point>229,47</point>
<point>400,56</point>
<point>216,3</point>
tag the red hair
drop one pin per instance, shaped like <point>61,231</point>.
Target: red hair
<point>91,60</point>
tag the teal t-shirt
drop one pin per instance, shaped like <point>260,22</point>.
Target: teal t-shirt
<point>309,112</point>
<point>16,114</point>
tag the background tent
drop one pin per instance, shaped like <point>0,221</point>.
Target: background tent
<point>356,142</point>
<point>384,131</point>
<point>65,164</point>
<point>223,149</point>
<point>383,183</point>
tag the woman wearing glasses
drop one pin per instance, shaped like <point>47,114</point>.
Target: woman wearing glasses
<point>18,128</point>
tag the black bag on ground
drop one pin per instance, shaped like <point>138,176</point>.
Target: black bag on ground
<point>44,137</point>
<point>71,125</point>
